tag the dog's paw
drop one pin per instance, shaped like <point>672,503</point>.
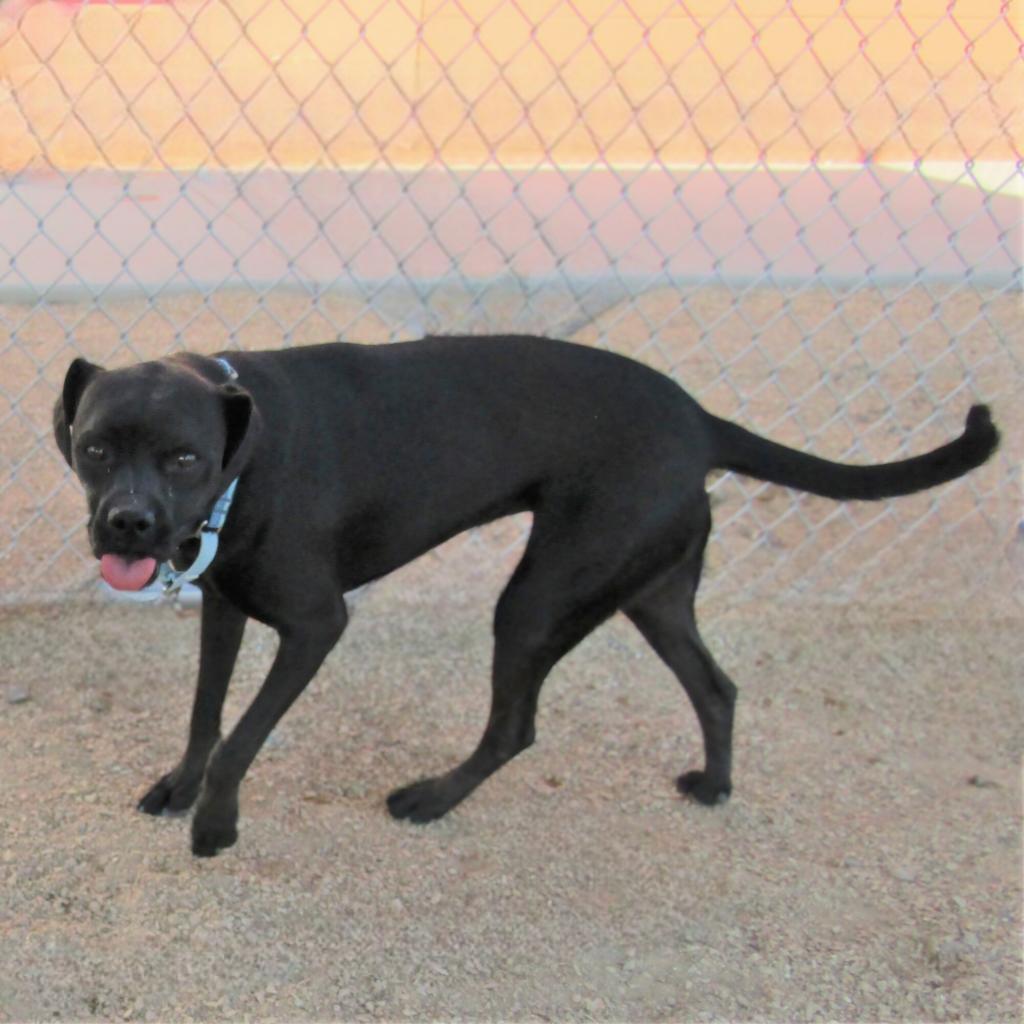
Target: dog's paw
<point>699,787</point>
<point>215,824</point>
<point>421,802</point>
<point>169,796</point>
<point>210,837</point>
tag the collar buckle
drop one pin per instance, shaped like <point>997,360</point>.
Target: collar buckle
<point>209,536</point>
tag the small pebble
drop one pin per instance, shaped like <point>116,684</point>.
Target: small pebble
<point>981,783</point>
<point>101,702</point>
<point>17,695</point>
<point>275,741</point>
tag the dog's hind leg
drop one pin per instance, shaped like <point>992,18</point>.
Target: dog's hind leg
<point>664,614</point>
<point>220,637</point>
<point>562,589</point>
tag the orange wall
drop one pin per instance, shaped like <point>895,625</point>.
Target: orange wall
<point>234,83</point>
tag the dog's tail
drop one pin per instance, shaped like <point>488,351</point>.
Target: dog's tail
<point>740,450</point>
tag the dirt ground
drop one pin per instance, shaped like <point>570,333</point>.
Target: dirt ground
<point>866,868</point>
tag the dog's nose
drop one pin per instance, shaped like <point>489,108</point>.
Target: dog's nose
<point>131,523</point>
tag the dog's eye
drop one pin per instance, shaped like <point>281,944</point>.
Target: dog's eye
<point>184,460</point>
<point>96,452</point>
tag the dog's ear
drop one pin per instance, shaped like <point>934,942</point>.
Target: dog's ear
<point>242,419</point>
<point>80,372</point>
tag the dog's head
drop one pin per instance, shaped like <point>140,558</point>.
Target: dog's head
<point>154,445</point>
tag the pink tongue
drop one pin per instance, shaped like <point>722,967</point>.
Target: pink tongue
<point>124,575</point>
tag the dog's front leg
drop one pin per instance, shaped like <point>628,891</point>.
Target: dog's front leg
<point>301,652</point>
<point>220,637</point>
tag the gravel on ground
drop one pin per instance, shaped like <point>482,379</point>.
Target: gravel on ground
<point>866,868</point>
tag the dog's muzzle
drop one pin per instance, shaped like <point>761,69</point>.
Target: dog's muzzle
<point>130,525</point>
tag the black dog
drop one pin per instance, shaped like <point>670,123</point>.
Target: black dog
<point>353,460</point>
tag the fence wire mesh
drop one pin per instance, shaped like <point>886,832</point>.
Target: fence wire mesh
<point>806,212</point>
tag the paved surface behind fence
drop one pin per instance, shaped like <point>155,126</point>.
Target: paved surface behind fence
<point>149,231</point>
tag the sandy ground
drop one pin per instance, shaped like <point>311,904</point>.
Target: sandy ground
<point>867,867</point>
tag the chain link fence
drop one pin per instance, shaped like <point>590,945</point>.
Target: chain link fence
<point>808,213</point>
